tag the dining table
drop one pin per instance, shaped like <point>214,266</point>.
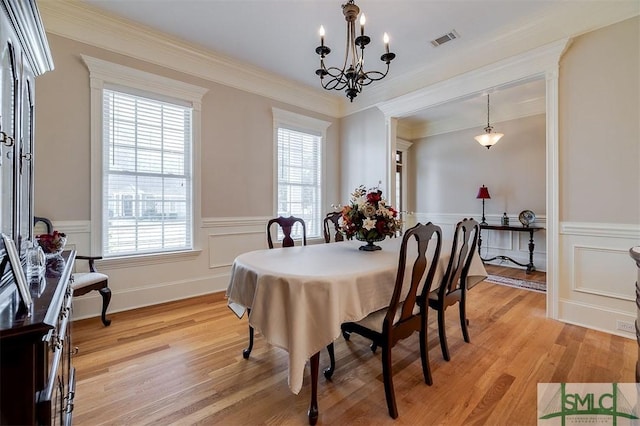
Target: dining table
<point>297,297</point>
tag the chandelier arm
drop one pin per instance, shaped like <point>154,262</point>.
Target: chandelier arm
<point>335,72</point>
<point>334,84</point>
<point>372,76</point>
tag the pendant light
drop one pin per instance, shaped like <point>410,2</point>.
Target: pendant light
<point>488,138</point>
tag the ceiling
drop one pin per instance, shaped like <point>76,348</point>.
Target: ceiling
<point>280,36</point>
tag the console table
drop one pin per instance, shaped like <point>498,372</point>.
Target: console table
<point>530,267</point>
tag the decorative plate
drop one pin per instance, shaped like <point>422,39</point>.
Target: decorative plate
<point>527,217</point>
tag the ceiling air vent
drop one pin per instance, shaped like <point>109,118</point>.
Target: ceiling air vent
<point>452,35</point>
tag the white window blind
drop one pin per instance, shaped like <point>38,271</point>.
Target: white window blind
<point>147,175</point>
<point>300,179</point>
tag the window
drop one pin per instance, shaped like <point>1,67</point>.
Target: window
<point>145,135</point>
<point>146,175</point>
<point>300,169</point>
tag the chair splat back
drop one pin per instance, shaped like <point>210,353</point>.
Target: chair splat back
<point>286,223</point>
<point>464,245</point>
<point>423,234</point>
<point>332,218</point>
<point>453,287</point>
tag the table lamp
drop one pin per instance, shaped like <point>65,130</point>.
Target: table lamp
<point>483,194</point>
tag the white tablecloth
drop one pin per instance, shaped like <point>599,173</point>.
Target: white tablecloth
<point>299,296</point>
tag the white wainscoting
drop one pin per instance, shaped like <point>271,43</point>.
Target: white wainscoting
<point>597,276</point>
<point>595,288</point>
<point>495,243</point>
<point>148,280</point>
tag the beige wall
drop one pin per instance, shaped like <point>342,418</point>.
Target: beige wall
<point>237,179</point>
<point>364,152</point>
<point>598,176</point>
<point>448,169</point>
<point>237,141</point>
<point>599,172</point>
<point>600,126</point>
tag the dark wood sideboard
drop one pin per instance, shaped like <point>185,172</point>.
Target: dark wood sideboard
<point>37,378</point>
<point>635,255</point>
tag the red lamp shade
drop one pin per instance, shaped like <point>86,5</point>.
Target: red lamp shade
<point>483,193</point>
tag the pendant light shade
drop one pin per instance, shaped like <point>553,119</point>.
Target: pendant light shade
<point>488,138</point>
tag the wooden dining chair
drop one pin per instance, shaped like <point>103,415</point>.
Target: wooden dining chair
<point>402,317</point>
<point>332,220</point>
<point>453,287</point>
<point>286,224</point>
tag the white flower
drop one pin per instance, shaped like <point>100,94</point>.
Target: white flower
<point>369,224</point>
<point>368,210</point>
<point>383,211</point>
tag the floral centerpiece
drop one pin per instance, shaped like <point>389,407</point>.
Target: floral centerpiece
<point>368,218</point>
<point>52,244</point>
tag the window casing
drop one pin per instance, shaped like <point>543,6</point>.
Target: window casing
<point>145,184</point>
<point>147,180</point>
<point>299,165</point>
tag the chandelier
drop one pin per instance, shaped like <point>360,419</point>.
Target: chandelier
<point>488,138</point>
<point>351,77</point>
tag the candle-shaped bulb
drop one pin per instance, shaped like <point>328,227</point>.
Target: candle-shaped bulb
<point>321,35</point>
<point>363,20</point>
<point>385,38</point>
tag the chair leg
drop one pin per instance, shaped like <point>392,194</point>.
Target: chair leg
<point>443,335</point>
<point>106,298</point>
<point>247,352</point>
<point>387,375</point>
<point>328,372</point>
<point>424,355</point>
<point>463,321</point>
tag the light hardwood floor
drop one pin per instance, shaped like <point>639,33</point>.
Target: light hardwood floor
<point>181,363</point>
<point>517,273</point>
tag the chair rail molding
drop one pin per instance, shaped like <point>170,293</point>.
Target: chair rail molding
<point>612,230</point>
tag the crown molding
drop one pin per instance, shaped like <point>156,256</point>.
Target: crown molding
<point>522,67</point>
<point>527,35</point>
<point>86,24</point>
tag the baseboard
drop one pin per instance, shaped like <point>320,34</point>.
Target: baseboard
<point>595,317</point>
<point>90,305</point>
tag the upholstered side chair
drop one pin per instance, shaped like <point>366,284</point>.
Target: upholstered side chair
<point>84,282</point>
